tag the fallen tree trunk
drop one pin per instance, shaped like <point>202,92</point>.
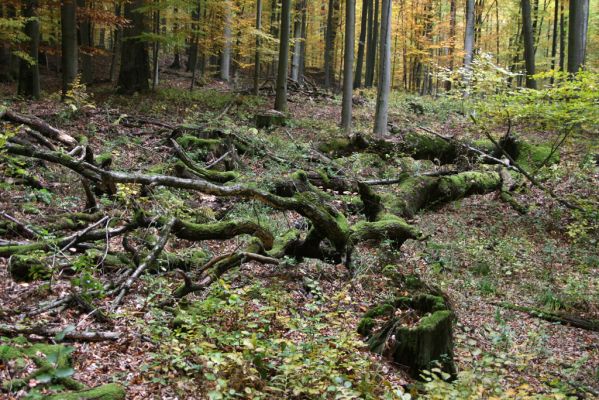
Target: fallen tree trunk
<point>47,331</point>
<point>39,125</point>
<point>566,319</point>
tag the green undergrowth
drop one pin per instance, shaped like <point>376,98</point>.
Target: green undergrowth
<point>259,342</point>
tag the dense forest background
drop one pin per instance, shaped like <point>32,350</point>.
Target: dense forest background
<point>299,199</point>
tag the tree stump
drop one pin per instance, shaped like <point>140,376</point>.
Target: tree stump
<point>270,118</point>
<point>417,333</point>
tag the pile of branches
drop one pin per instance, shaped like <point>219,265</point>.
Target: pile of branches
<point>329,235</point>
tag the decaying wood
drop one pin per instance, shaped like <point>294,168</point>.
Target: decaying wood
<point>49,331</point>
<point>149,260</point>
<point>39,125</point>
<point>565,319</point>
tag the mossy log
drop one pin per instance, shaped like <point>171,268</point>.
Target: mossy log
<point>29,267</point>
<point>211,231</point>
<point>111,391</point>
<point>417,347</point>
<point>442,150</point>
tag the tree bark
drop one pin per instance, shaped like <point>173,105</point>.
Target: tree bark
<point>134,72</point>
<point>348,65</point>
<point>225,61</point>
<point>469,35</point>
<point>258,44</point>
<point>577,35</point>
<point>297,37</point>
<point>384,84</point>
<point>29,76</point>
<point>304,34</point>
<point>362,43</point>
<point>281,95</point>
<point>529,44</point>
<point>554,38</point>
<point>329,54</point>
<point>371,51</point>
<point>452,26</point>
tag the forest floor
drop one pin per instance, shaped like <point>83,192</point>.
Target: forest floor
<point>304,317</point>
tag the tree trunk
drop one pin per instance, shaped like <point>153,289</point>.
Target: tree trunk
<point>134,72</point>
<point>29,77</point>
<point>304,33</point>
<point>348,65</point>
<point>577,35</point>
<point>85,31</point>
<point>384,83</point>
<point>297,37</point>
<point>156,52</point>
<point>117,44</point>
<point>192,63</point>
<point>371,52</point>
<point>68,24</point>
<point>329,52</point>
<point>469,35</point>
<point>281,96</point>
<point>529,44</point>
<point>366,4</point>
<point>562,37</point>
<point>554,38</point>
<point>452,26</point>
<point>258,44</point>
<point>225,61</point>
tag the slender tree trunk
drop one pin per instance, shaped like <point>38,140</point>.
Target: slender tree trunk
<point>85,30</point>
<point>348,65</point>
<point>135,71</point>
<point>193,48</point>
<point>281,95</point>
<point>562,37</point>
<point>577,35</point>
<point>225,61</point>
<point>469,34</point>
<point>329,53</point>
<point>297,38</point>
<point>452,31</point>
<point>68,24</point>
<point>362,43</point>
<point>554,38</point>
<point>29,77</point>
<point>304,34</point>
<point>371,52</point>
<point>258,44</point>
<point>529,44</point>
<point>116,46</point>
<point>156,52</point>
<point>384,83</point>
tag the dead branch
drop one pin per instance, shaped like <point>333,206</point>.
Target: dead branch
<point>149,260</point>
<point>48,331</point>
<point>39,125</point>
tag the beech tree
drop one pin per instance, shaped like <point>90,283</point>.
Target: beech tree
<point>577,35</point>
<point>29,76</point>
<point>135,71</point>
<point>529,44</point>
<point>281,95</point>
<point>384,84</point>
<point>348,65</point>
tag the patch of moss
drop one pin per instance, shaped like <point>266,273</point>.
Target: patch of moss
<point>190,141</point>
<point>111,391</point>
